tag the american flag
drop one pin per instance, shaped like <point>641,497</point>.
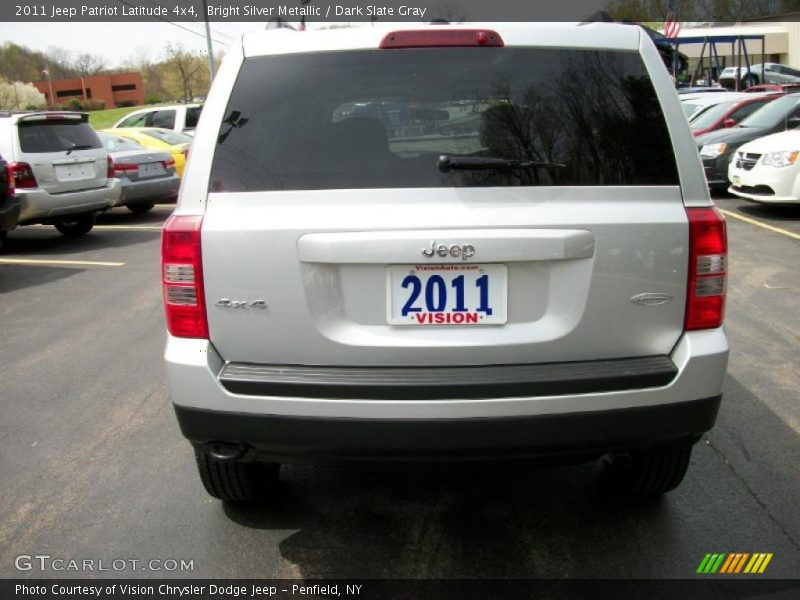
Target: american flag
<point>672,26</point>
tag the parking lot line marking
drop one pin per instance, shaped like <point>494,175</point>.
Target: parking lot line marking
<point>785,232</point>
<point>130,227</point>
<point>71,263</point>
<point>120,227</point>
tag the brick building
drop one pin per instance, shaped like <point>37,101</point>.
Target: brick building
<point>120,89</point>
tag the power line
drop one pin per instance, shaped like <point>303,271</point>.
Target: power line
<point>176,24</point>
<point>217,31</point>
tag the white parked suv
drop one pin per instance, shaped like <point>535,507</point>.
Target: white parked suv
<point>444,243</point>
<point>59,169</point>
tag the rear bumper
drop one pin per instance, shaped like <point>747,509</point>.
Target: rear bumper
<point>9,213</point>
<point>37,204</point>
<point>608,414</point>
<point>317,440</point>
<point>149,190</point>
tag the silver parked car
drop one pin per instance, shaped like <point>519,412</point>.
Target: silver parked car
<point>349,276</point>
<point>146,176</point>
<point>59,169</point>
<point>760,73</point>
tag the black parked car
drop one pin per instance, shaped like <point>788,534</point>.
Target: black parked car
<point>9,204</point>
<point>718,147</point>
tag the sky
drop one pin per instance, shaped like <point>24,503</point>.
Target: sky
<point>119,41</point>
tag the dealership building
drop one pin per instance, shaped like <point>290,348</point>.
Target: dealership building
<point>117,90</point>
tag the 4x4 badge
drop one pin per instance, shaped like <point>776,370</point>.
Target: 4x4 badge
<point>465,251</point>
<point>227,303</point>
<point>651,299</point>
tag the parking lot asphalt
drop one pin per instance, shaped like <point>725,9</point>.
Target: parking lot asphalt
<point>93,466</point>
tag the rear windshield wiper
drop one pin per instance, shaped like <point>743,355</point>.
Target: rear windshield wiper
<point>448,162</point>
<point>78,147</point>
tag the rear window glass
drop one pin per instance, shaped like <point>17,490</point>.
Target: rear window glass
<point>192,114</point>
<point>773,113</point>
<point>114,143</point>
<point>712,114</point>
<point>173,138</point>
<point>56,136</point>
<point>382,118</point>
<point>162,118</point>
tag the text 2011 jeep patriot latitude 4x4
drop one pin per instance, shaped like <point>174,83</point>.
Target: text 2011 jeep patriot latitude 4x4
<point>451,242</point>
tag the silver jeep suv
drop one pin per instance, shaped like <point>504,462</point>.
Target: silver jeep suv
<point>451,242</point>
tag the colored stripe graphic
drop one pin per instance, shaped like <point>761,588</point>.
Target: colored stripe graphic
<point>703,563</point>
<point>732,560</point>
<point>765,563</point>
<point>741,563</point>
<point>732,563</point>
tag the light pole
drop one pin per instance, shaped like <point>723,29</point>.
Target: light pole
<point>208,40</point>
<point>46,73</point>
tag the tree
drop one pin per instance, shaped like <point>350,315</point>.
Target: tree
<point>88,64</point>
<point>20,96</point>
<point>188,71</point>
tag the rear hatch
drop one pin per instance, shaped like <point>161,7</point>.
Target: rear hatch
<point>63,150</point>
<point>364,209</point>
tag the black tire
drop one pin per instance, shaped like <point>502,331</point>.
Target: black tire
<point>235,481</point>
<point>3,240</point>
<point>141,207</point>
<point>646,472</point>
<point>749,80</point>
<point>75,226</point>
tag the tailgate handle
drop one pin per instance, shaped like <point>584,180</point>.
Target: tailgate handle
<point>406,247</point>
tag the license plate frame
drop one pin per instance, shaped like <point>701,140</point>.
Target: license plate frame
<point>74,171</point>
<point>151,170</point>
<point>474,309</point>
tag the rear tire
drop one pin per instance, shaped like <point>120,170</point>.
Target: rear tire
<point>234,481</point>
<point>141,207</point>
<point>75,226</point>
<point>749,80</point>
<point>646,472</point>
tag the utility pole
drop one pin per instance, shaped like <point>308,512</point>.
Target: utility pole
<point>208,41</point>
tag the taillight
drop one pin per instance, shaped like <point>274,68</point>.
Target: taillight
<point>21,175</point>
<point>125,169</point>
<point>708,258</point>
<point>182,277</point>
<point>441,38</point>
<point>9,181</point>
<point>109,168</point>
<point>169,163</point>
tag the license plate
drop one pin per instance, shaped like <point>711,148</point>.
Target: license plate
<point>737,180</point>
<point>457,295</point>
<point>75,171</point>
<point>155,169</point>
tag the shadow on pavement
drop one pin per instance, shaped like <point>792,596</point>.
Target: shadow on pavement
<point>772,212</point>
<point>524,521</point>
<point>17,277</point>
<point>122,216</point>
<point>46,240</point>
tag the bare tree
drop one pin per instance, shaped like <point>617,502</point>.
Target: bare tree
<point>88,64</point>
<point>188,68</point>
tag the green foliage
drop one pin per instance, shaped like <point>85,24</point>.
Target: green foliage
<point>91,104</point>
<point>103,119</point>
<point>153,98</point>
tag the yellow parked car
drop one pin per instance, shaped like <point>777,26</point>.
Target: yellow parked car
<point>156,138</point>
